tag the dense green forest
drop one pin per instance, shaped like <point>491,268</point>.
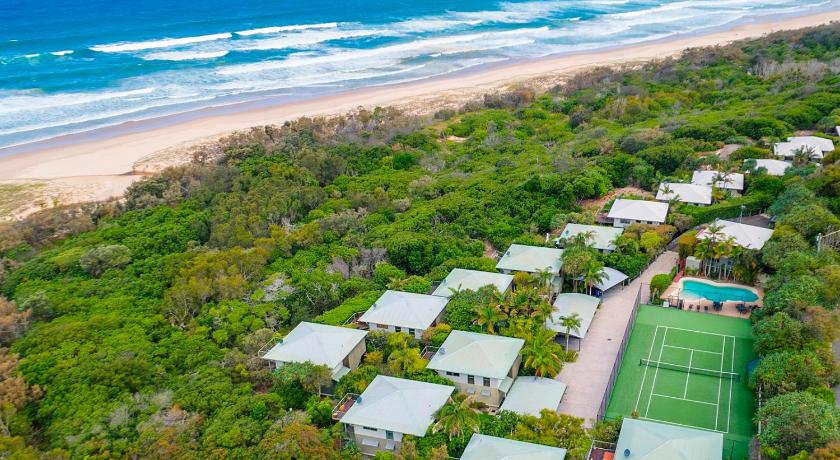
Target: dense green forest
<point>132,328</point>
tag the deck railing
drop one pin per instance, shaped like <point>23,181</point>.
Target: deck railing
<point>344,405</point>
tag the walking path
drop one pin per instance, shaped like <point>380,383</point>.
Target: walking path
<point>587,378</point>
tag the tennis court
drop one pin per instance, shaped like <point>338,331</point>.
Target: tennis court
<point>688,369</point>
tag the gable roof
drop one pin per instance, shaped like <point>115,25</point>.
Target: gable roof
<point>735,182</point>
<point>602,236</point>
<point>644,440</point>
<point>773,167</point>
<point>825,145</point>
<point>317,343</point>
<point>746,236</point>
<point>788,149</point>
<point>460,279</point>
<point>483,447</point>
<point>568,304</point>
<point>652,211</point>
<point>405,309</point>
<point>472,353</point>
<point>530,395</point>
<point>685,193</point>
<point>531,259</point>
<point>400,405</point>
<point>612,278</point>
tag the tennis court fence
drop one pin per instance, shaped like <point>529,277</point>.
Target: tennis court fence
<point>605,400</point>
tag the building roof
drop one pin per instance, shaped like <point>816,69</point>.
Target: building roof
<point>568,304</point>
<point>602,236</point>
<point>483,447</point>
<point>317,343</point>
<point>773,167</point>
<point>825,145</point>
<point>399,405</point>
<point>531,259</point>
<point>788,149</point>
<point>460,279</point>
<point>746,236</point>
<point>652,211</point>
<point>530,395</point>
<point>477,354</point>
<point>644,440</point>
<point>735,181</point>
<point>612,278</point>
<point>685,193</point>
<point>405,309</point>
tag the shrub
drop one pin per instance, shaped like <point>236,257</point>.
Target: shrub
<point>659,283</point>
<point>338,315</point>
<point>795,422</point>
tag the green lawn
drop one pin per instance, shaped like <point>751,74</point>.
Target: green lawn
<point>689,369</point>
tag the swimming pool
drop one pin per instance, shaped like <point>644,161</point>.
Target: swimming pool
<point>694,289</point>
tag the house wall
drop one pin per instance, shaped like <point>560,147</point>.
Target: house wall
<point>418,333</point>
<point>621,223</point>
<point>363,436</point>
<point>491,395</point>
<point>354,358</point>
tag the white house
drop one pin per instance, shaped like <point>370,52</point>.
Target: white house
<point>340,349</point>
<point>531,395</point>
<point>699,195</point>
<point>390,408</point>
<point>600,237</point>
<point>460,279</point>
<point>773,167</point>
<point>397,311</point>
<point>531,259</point>
<point>746,236</point>
<point>567,304</point>
<point>625,212</point>
<point>481,365</point>
<point>823,144</point>
<point>645,440</point>
<point>483,447</point>
<point>788,150</point>
<point>729,181</point>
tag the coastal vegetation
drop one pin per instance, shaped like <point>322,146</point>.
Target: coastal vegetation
<point>133,328</point>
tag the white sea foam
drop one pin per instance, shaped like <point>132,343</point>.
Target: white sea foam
<point>35,101</point>
<point>183,55</point>
<point>62,53</point>
<point>303,39</point>
<point>162,43</point>
<point>278,29</point>
<point>431,24</point>
<point>31,56</point>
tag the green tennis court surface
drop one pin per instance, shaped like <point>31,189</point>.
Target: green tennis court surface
<point>689,369</point>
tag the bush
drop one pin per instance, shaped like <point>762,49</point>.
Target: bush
<point>789,371</point>
<point>729,209</point>
<point>338,315</point>
<point>756,127</point>
<point>102,258</point>
<point>795,422</point>
<point>658,284</point>
<point>777,333</point>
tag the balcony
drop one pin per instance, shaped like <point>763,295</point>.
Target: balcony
<point>601,450</point>
<point>354,320</point>
<point>429,352</point>
<point>344,405</point>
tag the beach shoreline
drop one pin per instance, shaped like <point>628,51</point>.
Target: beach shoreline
<point>102,164</point>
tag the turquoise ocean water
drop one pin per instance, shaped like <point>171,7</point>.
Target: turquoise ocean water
<point>72,65</point>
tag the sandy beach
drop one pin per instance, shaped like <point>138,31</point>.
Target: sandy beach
<point>103,165</point>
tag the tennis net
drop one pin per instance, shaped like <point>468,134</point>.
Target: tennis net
<point>691,370</point>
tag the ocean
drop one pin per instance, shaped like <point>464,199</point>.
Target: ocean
<point>69,66</point>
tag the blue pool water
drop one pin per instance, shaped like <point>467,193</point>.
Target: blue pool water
<point>72,65</point>
<point>692,289</point>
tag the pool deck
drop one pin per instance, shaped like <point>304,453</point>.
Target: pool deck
<point>705,306</point>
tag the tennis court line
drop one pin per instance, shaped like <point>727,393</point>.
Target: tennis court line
<point>682,424</point>
<point>684,399</point>
<point>656,372</point>
<point>720,384</point>
<point>693,349</point>
<point>644,375</point>
<point>729,405</point>
<point>699,332</point>
<point>688,374</point>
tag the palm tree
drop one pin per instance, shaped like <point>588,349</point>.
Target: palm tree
<point>541,310</point>
<point>803,155</point>
<point>544,276</point>
<point>457,417</point>
<point>704,252</point>
<point>594,274</point>
<point>571,323</point>
<point>540,354</point>
<point>488,316</point>
<point>406,361</point>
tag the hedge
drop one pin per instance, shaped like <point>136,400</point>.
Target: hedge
<point>338,315</point>
<point>729,209</point>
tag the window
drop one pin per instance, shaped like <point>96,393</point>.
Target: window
<point>397,329</point>
<point>624,221</point>
<point>486,381</point>
<point>410,331</point>
<point>453,374</point>
<point>369,428</point>
<point>370,442</point>
<point>389,435</point>
<point>485,392</point>
<point>470,379</point>
<point>470,390</point>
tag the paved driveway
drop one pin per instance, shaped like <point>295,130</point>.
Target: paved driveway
<point>587,378</point>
